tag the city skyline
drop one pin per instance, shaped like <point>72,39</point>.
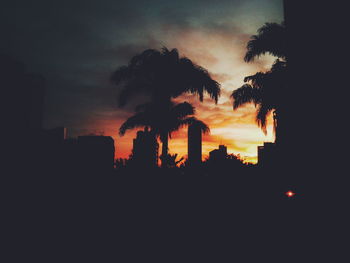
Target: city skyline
<point>79,95</point>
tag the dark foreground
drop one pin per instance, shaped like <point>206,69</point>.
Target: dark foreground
<point>160,216</point>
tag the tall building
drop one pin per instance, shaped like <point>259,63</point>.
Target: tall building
<point>194,145</point>
<point>145,149</point>
<point>267,154</point>
<point>218,154</point>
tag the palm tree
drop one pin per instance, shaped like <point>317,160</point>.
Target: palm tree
<point>162,121</point>
<point>163,75</point>
<point>271,39</point>
<point>264,89</point>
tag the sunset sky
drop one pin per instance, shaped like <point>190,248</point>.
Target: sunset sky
<point>76,45</point>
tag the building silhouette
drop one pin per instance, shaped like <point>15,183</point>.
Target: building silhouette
<point>194,145</point>
<point>145,149</point>
<point>219,154</point>
<point>267,154</point>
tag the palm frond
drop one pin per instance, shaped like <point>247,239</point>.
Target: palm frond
<point>182,110</point>
<point>204,127</point>
<point>270,39</point>
<point>261,116</point>
<point>164,74</point>
<point>245,94</point>
<point>171,54</point>
<point>135,121</point>
<point>197,80</point>
<point>193,121</point>
<point>143,59</point>
<point>257,80</point>
<point>278,65</point>
<point>121,74</point>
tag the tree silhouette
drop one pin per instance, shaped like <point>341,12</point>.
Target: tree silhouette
<point>163,75</point>
<point>162,121</point>
<point>271,39</point>
<point>171,161</point>
<point>264,89</point>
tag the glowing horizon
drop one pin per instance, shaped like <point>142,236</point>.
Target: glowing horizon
<point>81,97</point>
<point>235,129</point>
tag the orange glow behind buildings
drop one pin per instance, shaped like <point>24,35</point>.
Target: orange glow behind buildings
<point>222,54</point>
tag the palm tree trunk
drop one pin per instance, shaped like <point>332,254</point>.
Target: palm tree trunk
<point>275,126</point>
<point>154,138</point>
<point>164,139</point>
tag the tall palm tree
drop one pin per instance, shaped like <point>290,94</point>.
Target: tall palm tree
<point>162,121</point>
<point>163,75</point>
<point>264,89</point>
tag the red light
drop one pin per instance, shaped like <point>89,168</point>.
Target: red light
<point>290,194</point>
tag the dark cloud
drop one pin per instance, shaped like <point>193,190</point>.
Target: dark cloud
<point>77,44</point>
